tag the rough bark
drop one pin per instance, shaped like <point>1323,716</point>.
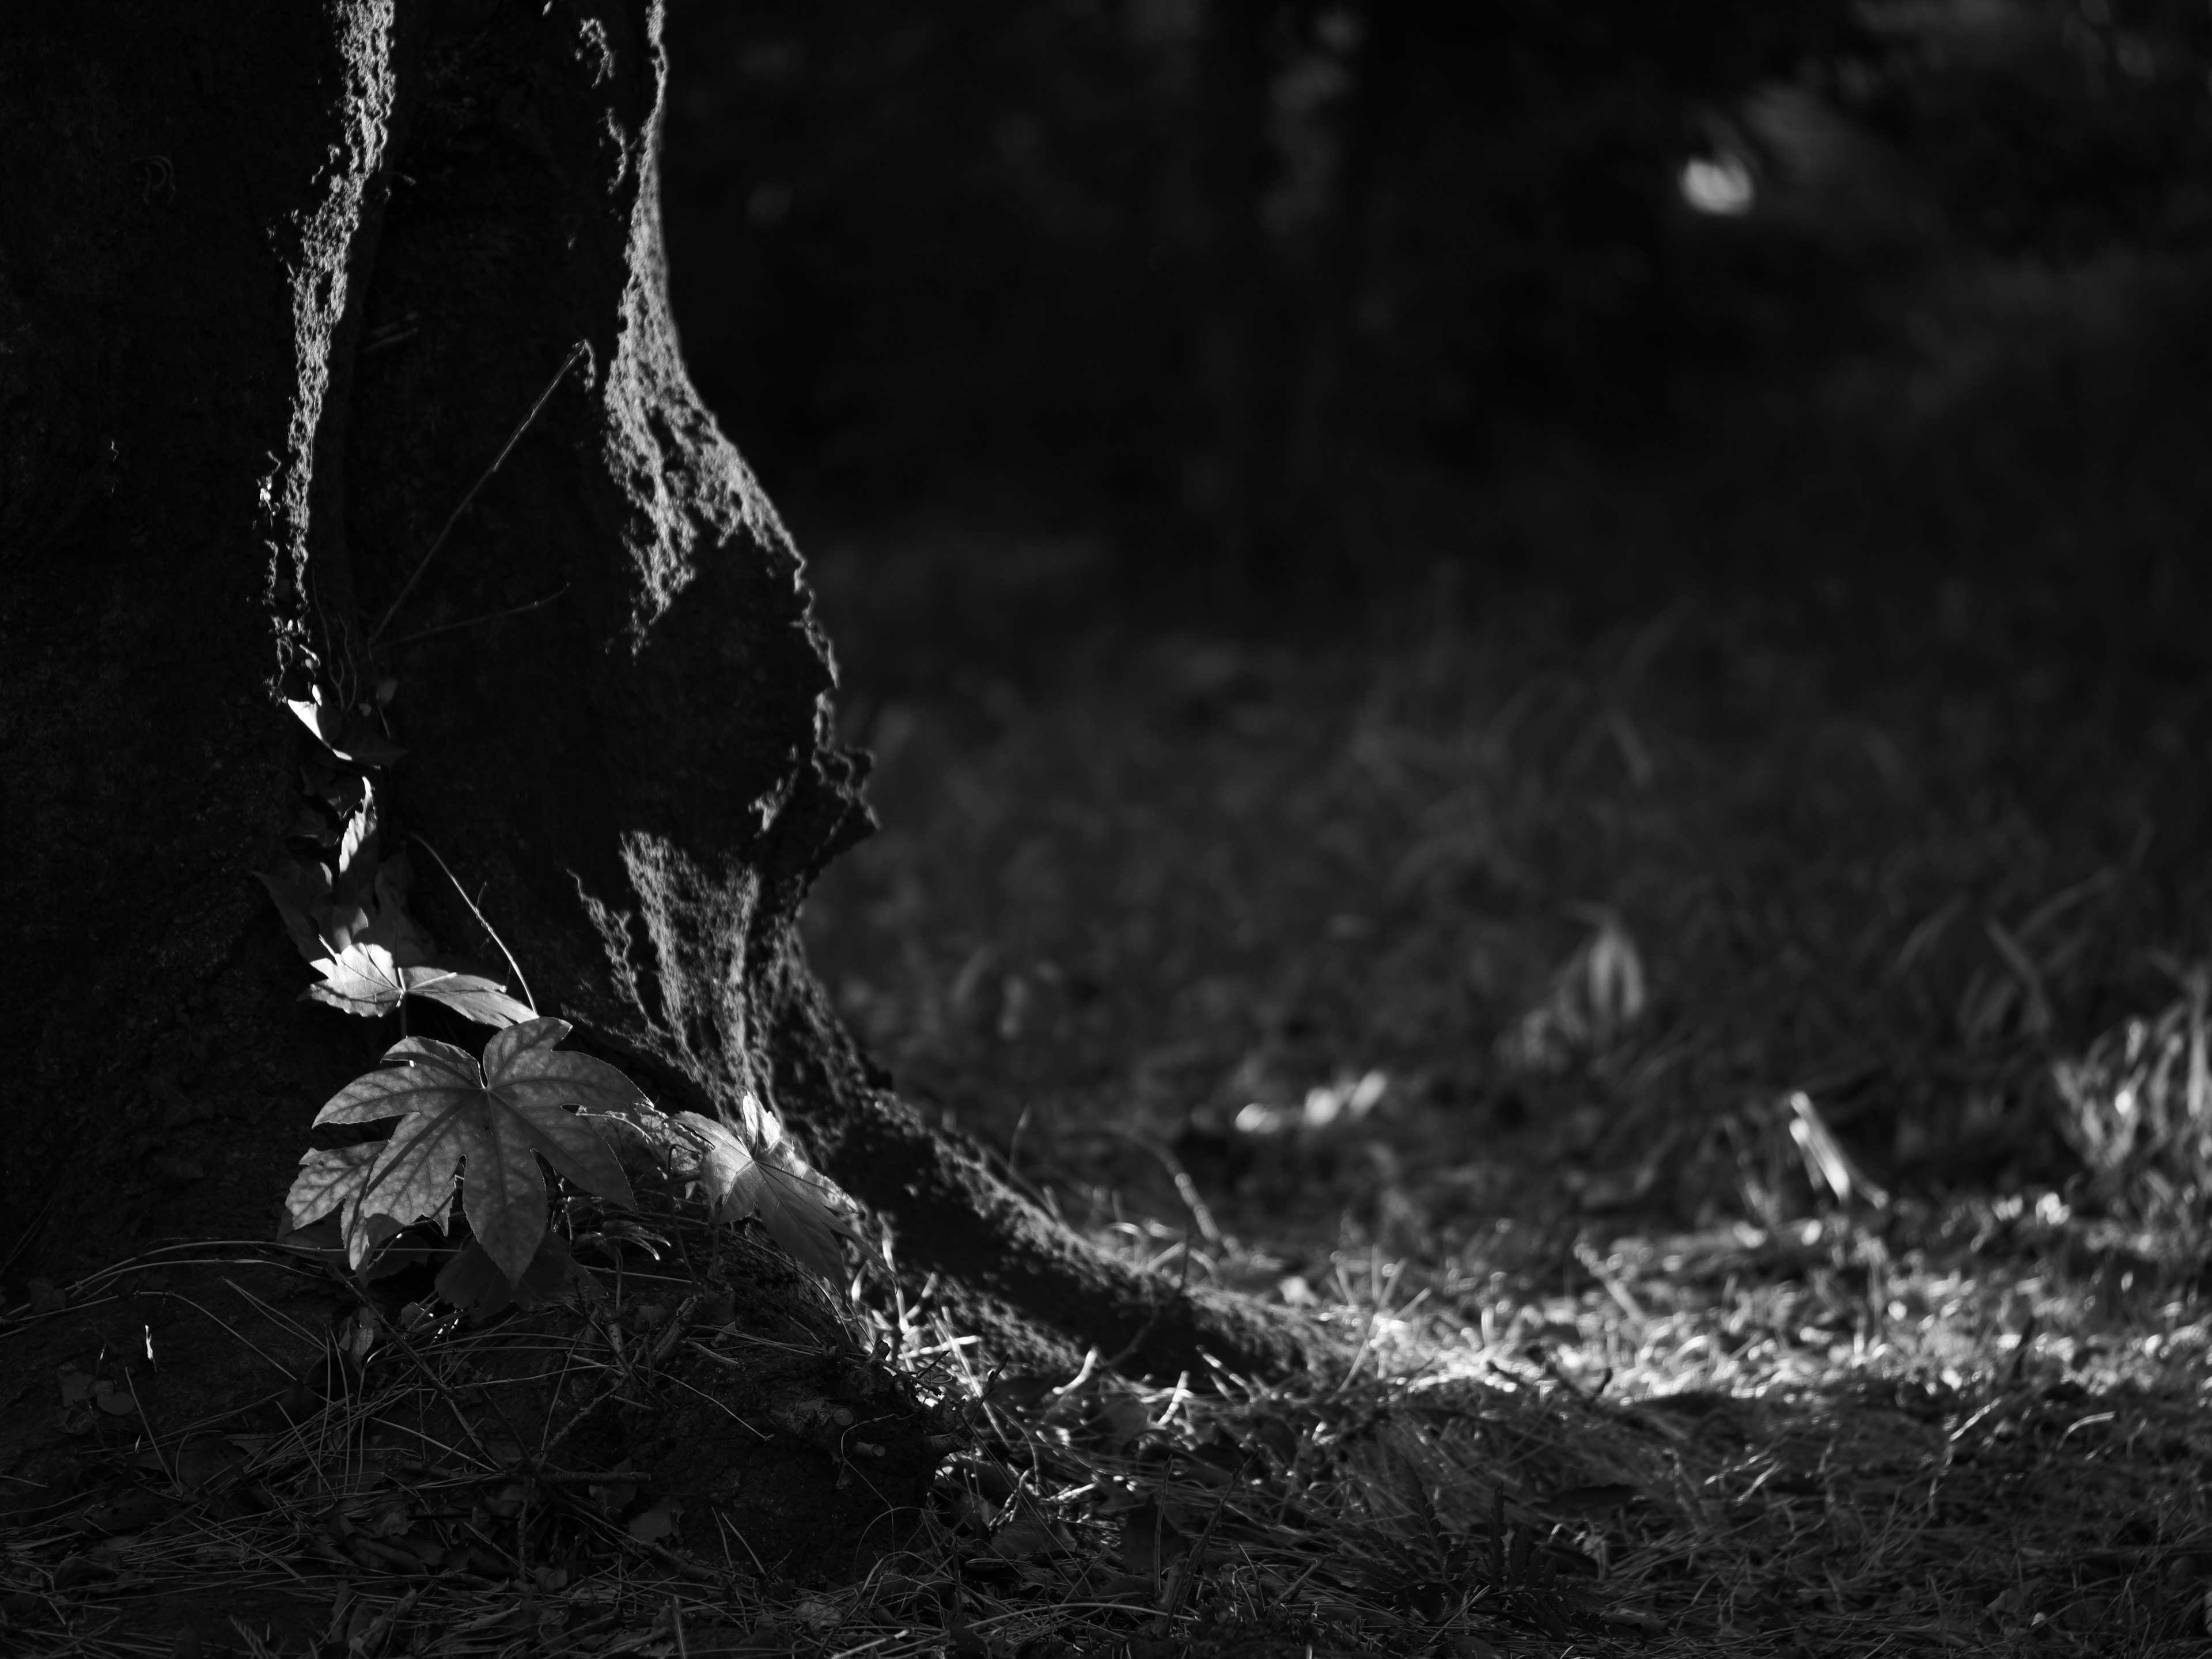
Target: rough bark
<point>278,289</point>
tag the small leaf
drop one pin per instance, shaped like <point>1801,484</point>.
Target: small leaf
<point>801,1210</point>
<point>651,1525</point>
<point>116,1402</point>
<point>361,979</point>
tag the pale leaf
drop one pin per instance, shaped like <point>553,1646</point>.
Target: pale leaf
<point>361,979</point>
<point>800,1211</point>
<point>364,979</point>
<point>796,1207</point>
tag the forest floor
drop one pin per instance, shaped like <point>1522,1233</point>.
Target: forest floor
<point>1733,1070</point>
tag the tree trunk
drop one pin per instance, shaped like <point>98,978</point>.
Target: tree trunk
<point>278,290</point>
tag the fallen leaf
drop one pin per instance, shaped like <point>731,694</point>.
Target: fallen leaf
<point>116,1402</point>
<point>769,1183</point>
<point>651,1525</point>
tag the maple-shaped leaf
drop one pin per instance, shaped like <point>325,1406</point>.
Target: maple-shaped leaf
<point>486,1124</point>
<point>772,1184</point>
<point>364,979</point>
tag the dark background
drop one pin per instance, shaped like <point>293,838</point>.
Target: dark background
<point>1271,305</point>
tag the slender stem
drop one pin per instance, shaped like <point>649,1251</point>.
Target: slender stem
<point>575,353</point>
<point>511,963</point>
<point>496,615</point>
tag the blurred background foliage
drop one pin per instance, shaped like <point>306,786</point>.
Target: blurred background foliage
<point>1304,297</point>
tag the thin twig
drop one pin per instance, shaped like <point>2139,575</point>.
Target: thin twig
<point>492,615</point>
<point>575,354</point>
<point>513,966</point>
<point>23,1238</point>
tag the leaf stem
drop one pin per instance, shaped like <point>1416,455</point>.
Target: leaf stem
<point>492,615</point>
<point>513,438</point>
<point>513,966</point>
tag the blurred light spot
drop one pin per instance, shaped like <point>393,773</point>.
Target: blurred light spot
<point>1719,185</point>
<point>1257,1119</point>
